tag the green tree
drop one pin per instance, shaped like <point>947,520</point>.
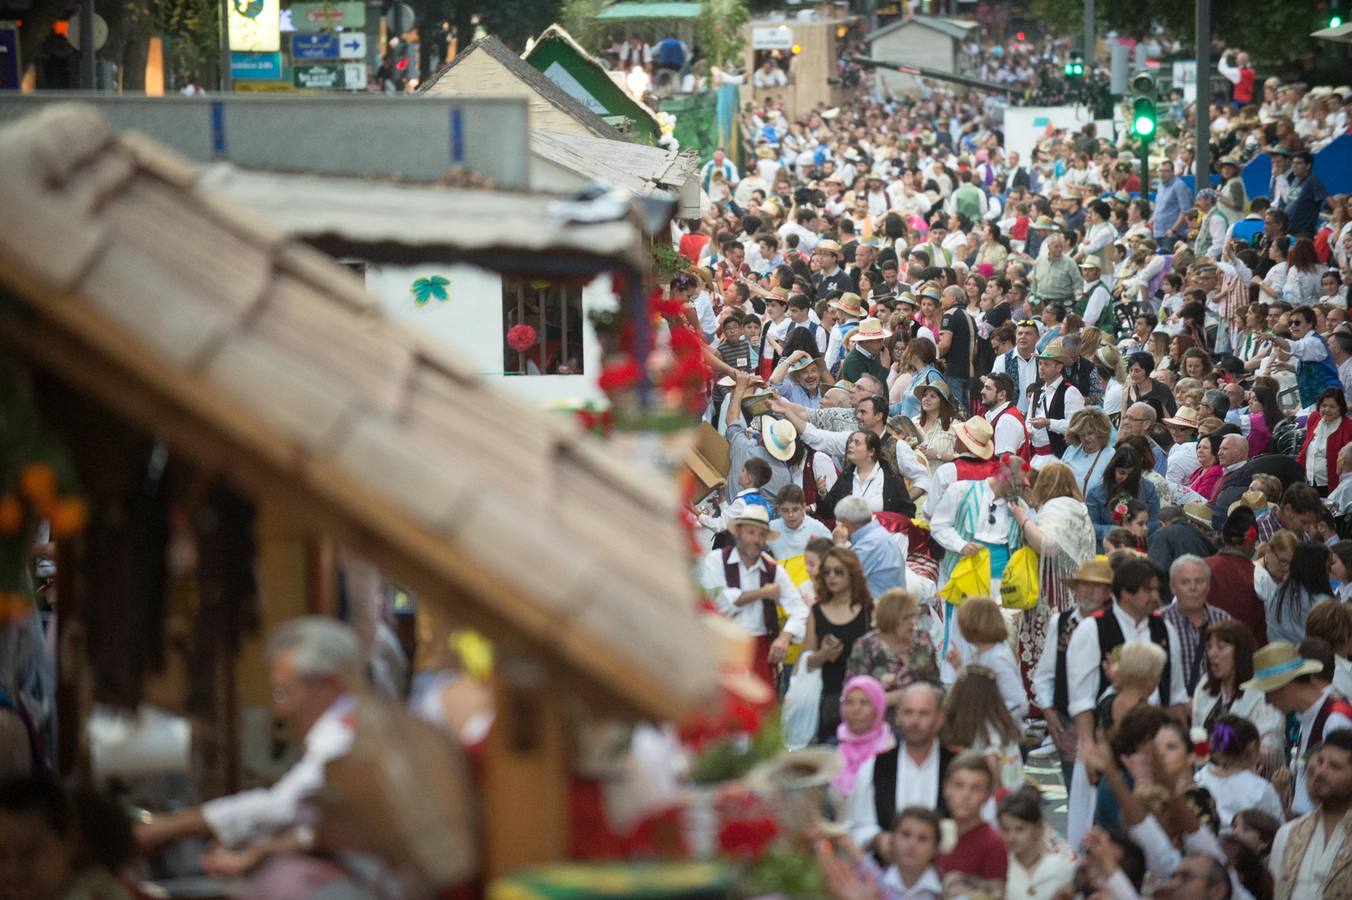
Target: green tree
<point>721,31</point>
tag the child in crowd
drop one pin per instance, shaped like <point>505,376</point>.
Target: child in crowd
<point>1035,869</point>
<point>754,476</point>
<point>1121,538</point>
<point>914,850</point>
<point>796,528</point>
<point>979,861</point>
<point>1173,297</point>
<point>1230,776</point>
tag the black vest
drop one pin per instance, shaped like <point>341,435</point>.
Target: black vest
<point>885,784</point>
<point>1065,627</point>
<point>733,576</point>
<point>1056,410</point>
<point>1110,636</point>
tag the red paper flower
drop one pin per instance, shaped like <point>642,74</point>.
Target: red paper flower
<point>521,338</point>
<point>747,838</point>
<point>619,376</point>
<point>1119,513</point>
<point>1251,535</point>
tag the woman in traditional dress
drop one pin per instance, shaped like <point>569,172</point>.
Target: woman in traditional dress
<point>1059,529</point>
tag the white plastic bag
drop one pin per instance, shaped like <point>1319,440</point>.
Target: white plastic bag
<point>801,709</point>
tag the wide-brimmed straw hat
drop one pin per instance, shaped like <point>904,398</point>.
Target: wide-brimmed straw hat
<point>1094,571</point>
<point>1092,262</point>
<point>830,246</point>
<point>850,304</point>
<point>780,438</point>
<point>977,435</point>
<point>796,770</point>
<point>754,514</point>
<point>869,329</point>
<point>1277,665</point>
<point>1056,350</point>
<point>937,384</point>
<point>1198,514</point>
<point>1186,417</point>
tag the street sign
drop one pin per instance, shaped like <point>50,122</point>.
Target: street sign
<point>328,45</point>
<point>349,77</point>
<point>309,16</point>
<point>11,71</point>
<point>100,32</point>
<point>773,38</point>
<point>255,66</point>
<point>407,18</point>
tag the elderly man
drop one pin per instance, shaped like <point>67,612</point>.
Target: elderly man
<point>1055,400</point>
<point>1020,364</point>
<point>1215,223</point>
<point>865,356</point>
<point>750,588</point>
<point>911,774</point>
<point>314,665</point>
<point>1172,201</point>
<point>1056,278</point>
<point>1234,458</point>
<point>1137,420</point>
<point>856,528</point>
<point>870,415</point>
<point>838,405</point>
<point>1190,614</point>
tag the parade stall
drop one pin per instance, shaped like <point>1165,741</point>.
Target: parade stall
<point>149,303</point>
<point>807,50</point>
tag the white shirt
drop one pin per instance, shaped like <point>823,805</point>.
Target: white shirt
<point>1182,462</point>
<point>917,785</point>
<point>1074,403</point>
<point>1009,432</point>
<point>262,812</point>
<point>1238,792</point>
<point>1300,797</point>
<point>1000,660</point>
<point>870,488</point>
<point>1316,452</point>
<point>1083,661</point>
<point>1112,397</point>
<point>1098,299</point>
<point>750,616</point>
<point>1052,872</point>
<point>793,541</point>
<point>1317,864</point>
<point>943,525</point>
<point>1044,676</point>
<point>1099,236</point>
<point>1027,375</point>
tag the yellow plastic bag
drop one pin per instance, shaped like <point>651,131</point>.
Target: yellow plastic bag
<point>796,567</point>
<point>971,577</point>
<point>1019,585</point>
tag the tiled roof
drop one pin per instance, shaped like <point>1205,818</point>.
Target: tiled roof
<point>262,359</point>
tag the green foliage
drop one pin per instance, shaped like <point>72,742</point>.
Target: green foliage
<point>783,871</point>
<point>732,757</point>
<point>721,35</point>
<point>579,18</point>
<point>192,29</point>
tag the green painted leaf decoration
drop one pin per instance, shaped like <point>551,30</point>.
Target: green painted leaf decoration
<point>428,288</point>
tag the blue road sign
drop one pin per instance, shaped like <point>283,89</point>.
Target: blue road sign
<point>314,46</point>
<point>11,72</point>
<point>255,66</point>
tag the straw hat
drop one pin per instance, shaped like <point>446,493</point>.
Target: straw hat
<point>869,329</point>
<point>976,435</point>
<point>1254,500</point>
<point>765,151</point>
<point>1094,571</point>
<point>849,303</point>
<point>1278,664</point>
<point>937,384</point>
<point>830,246</point>
<point>1198,513</point>
<point>1092,262</point>
<point>1108,357</point>
<point>1057,351</point>
<point>1186,417</point>
<point>907,298</point>
<point>802,364</point>
<point>780,438</point>
<point>1044,223</point>
<point>798,770</point>
<point>754,514</point>
<point>778,295</point>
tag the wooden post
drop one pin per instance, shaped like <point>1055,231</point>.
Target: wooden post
<point>526,769</point>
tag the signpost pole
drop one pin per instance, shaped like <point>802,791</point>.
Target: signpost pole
<point>87,65</point>
<point>1202,138</point>
<point>1088,37</point>
<point>227,80</point>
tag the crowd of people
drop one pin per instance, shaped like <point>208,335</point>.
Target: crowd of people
<point>1025,462</point>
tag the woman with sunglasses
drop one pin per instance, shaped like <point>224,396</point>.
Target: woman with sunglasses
<point>1122,481</point>
<point>842,615</point>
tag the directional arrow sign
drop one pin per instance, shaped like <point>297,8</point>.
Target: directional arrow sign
<point>351,45</point>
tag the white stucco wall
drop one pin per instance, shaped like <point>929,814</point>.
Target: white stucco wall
<point>469,322</point>
<point>916,46</point>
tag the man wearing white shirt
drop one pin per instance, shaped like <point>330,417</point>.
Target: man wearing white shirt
<point>1309,854</point>
<point>1055,400</point>
<point>1011,433</point>
<point>975,444</point>
<point>1131,616</point>
<point>1099,234</point>
<point>911,774</point>
<point>1021,364</point>
<point>749,588</point>
<point>315,667</point>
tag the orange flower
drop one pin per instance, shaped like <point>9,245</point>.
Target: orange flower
<point>11,515</point>
<point>68,516</point>
<point>37,481</point>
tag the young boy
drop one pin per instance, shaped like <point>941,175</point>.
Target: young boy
<point>774,332</point>
<point>978,863</point>
<point>736,351</point>
<point>800,314</point>
<point>1173,297</point>
<point>914,842</point>
<point>796,528</point>
<point>755,475</point>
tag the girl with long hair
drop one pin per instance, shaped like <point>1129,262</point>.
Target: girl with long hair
<point>918,365</point>
<point>1230,775</point>
<point>935,422</point>
<point>1122,481</point>
<point>1265,414</point>
<point>1301,287</point>
<point>975,718</point>
<point>840,617</point>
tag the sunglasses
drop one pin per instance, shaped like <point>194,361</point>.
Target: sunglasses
<point>1026,323</point>
<point>835,571</point>
<point>990,515</point>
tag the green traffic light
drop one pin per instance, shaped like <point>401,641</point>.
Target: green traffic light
<point>1335,21</point>
<point>1144,126</point>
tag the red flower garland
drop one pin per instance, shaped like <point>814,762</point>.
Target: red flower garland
<point>521,338</point>
<point>1119,513</point>
<point>618,376</point>
<point>747,838</point>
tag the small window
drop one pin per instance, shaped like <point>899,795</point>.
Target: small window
<point>553,311</point>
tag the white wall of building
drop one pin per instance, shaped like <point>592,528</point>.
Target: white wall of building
<point>469,323</point>
<point>915,46</point>
<point>1026,125</point>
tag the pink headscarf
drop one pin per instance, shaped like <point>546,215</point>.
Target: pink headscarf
<point>858,749</point>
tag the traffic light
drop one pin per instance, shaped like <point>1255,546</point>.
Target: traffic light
<point>1143,114</point>
<point>1075,66</point>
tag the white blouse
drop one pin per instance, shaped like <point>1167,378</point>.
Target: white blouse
<point>870,488</point>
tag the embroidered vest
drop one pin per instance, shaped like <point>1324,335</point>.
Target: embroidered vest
<point>1055,410</point>
<point>1339,885</point>
<point>1025,451</point>
<point>732,575</point>
<point>1110,636</point>
<point>1012,370</point>
<point>1107,323</point>
<point>1065,627</point>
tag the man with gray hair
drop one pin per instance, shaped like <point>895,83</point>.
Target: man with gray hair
<point>856,529</point>
<point>1214,403</point>
<point>1138,419</point>
<point>315,666</point>
<point>1190,614</point>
